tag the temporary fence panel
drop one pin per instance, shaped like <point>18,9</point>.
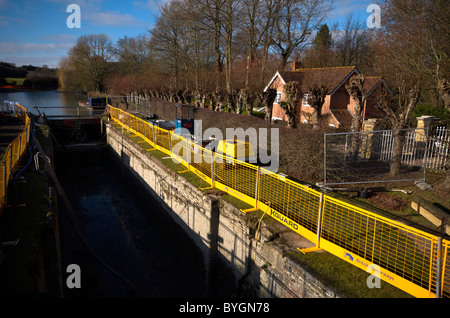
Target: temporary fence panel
<point>15,149</point>
<point>365,157</point>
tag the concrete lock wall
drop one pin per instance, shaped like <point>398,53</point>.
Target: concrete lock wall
<point>223,234</point>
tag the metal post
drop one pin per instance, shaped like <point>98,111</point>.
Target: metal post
<point>188,153</point>
<point>20,146</point>
<point>439,268</point>
<point>324,159</point>
<point>154,137</point>
<point>319,219</point>
<point>212,169</point>
<point>425,161</point>
<point>170,143</point>
<point>10,160</point>
<point>258,174</point>
<point>5,182</point>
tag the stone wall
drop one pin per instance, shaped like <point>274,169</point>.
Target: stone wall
<point>235,263</point>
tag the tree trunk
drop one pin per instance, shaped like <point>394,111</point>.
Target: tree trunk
<point>397,150</point>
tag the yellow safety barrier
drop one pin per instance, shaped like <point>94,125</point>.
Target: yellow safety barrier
<point>410,259</point>
<point>13,153</point>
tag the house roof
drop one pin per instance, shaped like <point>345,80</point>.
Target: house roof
<point>370,83</point>
<point>343,116</point>
<point>331,77</point>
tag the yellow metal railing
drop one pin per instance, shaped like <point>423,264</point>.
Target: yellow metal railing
<point>410,259</point>
<point>13,152</point>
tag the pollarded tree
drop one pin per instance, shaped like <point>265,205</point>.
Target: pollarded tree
<point>268,97</point>
<point>355,89</point>
<point>316,99</point>
<point>293,96</point>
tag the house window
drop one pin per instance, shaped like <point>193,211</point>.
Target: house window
<point>305,101</point>
<point>278,98</point>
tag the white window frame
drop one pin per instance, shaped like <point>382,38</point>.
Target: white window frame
<point>305,99</point>
<point>278,98</point>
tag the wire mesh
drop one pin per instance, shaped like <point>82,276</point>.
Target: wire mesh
<point>299,204</point>
<point>446,269</point>
<point>370,156</point>
<point>403,251</point>
<point>235,174</point>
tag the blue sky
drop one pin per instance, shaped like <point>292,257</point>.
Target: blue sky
<point>35,31</point>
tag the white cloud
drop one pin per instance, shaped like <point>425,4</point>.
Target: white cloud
<point>4,20</point>
<point>16,48</point>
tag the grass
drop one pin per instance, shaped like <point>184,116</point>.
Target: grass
<point>15,81</point>
<point>345,278</point>
<point>334,272</point>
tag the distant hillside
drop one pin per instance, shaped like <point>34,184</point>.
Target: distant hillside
<point>27,77</point>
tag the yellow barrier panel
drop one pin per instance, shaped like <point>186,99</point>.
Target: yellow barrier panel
<point>13,154</point>
<point>401,255</point>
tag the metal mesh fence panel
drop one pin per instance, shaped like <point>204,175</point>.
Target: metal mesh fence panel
<point>403,251</point>
<point>375,156</point>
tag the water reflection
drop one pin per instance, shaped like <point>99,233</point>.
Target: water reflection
<point>52,98</point>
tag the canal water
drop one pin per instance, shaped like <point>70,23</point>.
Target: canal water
<point>126,229</point>
<point>51,98</point>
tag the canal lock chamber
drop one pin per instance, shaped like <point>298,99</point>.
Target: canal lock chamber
<point>122,239</point>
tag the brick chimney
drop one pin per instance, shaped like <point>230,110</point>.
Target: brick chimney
<point>296,65</point>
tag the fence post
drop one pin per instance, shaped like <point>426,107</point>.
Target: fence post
<point>325,159</point>
<point>319,219</point>
<point>10,159</point>
<point>5,182</point>
<point>20,147</point>
<point>170,143</point>
<point>439,268</point>
<point>258,175</point>
<point>212,169</point>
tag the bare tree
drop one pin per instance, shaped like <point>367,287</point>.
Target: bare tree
<point>292,98</point>
<point>296,21</point>
<point>166,40</point>
<point>401,60</point>
<point>134,54</point>
<point>352,42</point>
<point>89,58</point>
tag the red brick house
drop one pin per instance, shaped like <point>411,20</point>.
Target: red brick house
<point>338,108</point>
